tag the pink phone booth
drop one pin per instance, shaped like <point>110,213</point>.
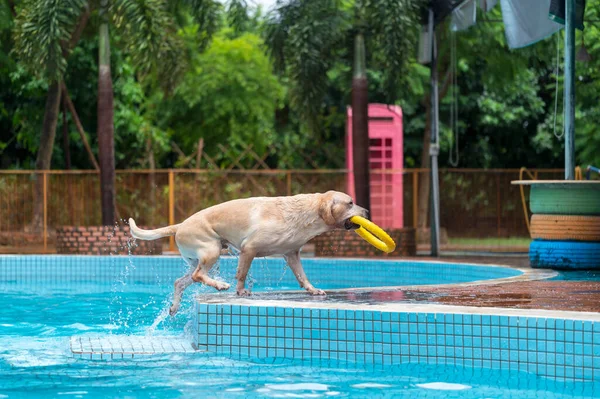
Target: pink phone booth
<point>385,152</point>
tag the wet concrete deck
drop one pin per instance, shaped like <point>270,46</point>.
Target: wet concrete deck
<point>581,296</point>
<point>559,295</point>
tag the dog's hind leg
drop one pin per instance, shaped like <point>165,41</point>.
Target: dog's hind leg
<point>180,285</point>
<point>208,256</point>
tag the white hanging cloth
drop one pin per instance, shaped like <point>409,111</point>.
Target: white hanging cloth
<point>526,21</point>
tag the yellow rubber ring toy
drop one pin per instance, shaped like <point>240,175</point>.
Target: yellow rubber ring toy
<point>373,234</point>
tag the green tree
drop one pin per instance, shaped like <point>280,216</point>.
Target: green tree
<point>229,95</point>
<point>45,32</point>
<point>306,37</point>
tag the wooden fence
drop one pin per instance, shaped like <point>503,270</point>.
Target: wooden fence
<point>474,203</point>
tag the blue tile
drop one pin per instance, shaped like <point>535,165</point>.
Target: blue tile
<point>404,328</point>
<point>523,344</point>
<point>569,359</point>
<point>439,328</point>
<point>413,350</point>
<point>569,324</point>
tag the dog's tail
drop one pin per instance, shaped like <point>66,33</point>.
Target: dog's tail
<point>141,234</point>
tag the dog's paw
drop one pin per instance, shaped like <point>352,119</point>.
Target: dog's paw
<point>173,310</point>
<point>244,292</point>
<point>317,292</point>
<point>222,286</point>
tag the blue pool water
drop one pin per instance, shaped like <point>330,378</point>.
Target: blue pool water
<point>42,309</point>
<point>271,273</point>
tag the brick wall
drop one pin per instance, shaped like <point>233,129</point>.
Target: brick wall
<point>102,240</point>
<point>349,244</point>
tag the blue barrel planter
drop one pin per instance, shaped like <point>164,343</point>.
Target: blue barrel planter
<point>566,255</point>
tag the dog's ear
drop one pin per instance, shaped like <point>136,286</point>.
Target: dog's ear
<point>326,209</point>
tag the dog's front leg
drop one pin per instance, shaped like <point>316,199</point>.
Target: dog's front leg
<point>244,262</point>
<point>293,260</point>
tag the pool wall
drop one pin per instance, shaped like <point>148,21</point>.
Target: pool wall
<point>561,348</point>
<point>58,270</point>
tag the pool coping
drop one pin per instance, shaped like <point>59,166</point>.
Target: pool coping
<point>400,307</point>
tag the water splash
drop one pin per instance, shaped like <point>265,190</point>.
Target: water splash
<point>164,313</point>
<point>124,314</point>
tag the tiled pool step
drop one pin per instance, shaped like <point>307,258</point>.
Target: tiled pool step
<point>556,344</point>
<point>126,346</point>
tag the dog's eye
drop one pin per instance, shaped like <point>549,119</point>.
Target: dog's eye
<point>350,203</point>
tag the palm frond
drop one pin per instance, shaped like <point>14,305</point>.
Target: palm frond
<point>41,28</point>
<point>302,36</point>
<point>237,16</point>
<point>207,14</point>
<point>149,32</point>
<point>393,28</point>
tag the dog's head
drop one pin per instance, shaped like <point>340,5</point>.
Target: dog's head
<point>336,209</point>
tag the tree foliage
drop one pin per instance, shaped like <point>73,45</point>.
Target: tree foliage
<point>41,28</point>
<point>227,92</point>
<point>229,95</point>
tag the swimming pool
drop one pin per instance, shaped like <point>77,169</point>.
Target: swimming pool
<point>48,301</point>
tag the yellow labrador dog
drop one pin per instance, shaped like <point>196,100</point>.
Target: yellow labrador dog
<point>260,226</point>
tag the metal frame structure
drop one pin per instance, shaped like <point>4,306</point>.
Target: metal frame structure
<point>447,6</point>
